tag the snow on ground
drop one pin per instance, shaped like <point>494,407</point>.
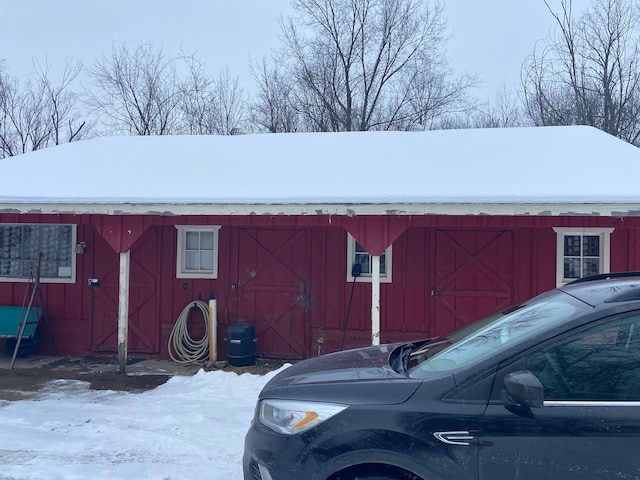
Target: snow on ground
<point>192,427</point>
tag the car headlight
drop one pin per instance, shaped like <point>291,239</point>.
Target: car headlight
<point>292,416</point>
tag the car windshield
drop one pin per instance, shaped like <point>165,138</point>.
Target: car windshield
<point>492,334</point>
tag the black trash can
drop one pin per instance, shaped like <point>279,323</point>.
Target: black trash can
<point>241,344</point>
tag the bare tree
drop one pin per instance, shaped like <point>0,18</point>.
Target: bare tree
<point>362,65</point>
<point>589,74</point>
<point>138,92</point>
<point>212,106</point>
<point>230,105</point>
<point>503,111</point>
<point>35,113</point>
<point>198,100</point>
<point>66,122</point>
<point>25,126</point>
<point>3,102</point>
<point>273,111</point>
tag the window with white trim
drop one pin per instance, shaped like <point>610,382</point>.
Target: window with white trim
<point>357,254</point>
<point>581,252</point>
<point>197,251</point>
<point>22,245</point>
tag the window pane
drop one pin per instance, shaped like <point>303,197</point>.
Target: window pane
<point>571,268</point>
<point>591,245</point>
<point>193,240</point>
<point>572,245</point>
<point>590,266</point>
<point>363,260</point>
<point>192,260</point>
<point>10,241</point>
<point>206,240</point>
<point>499,331</point>
<point>206,260</point>
<point>600,363</point>
<point>21,246</point>
<point>198,254</point>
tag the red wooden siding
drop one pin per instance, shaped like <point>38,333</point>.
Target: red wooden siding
<point>287,275</point>
<point>144,293</point>
<point>104,299</point>
<point>273,290</point>
<point>473,276</point>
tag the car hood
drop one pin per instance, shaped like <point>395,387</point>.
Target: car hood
<point>359,376</point>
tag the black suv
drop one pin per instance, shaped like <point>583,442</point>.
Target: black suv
<point>547,389</point>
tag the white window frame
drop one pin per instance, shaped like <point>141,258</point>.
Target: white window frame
<point>366,277</point>
<point>43,279</point>
<point>181,270</point>
<point>605,249</point>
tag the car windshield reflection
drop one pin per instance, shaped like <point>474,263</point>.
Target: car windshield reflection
<point>496,332</point>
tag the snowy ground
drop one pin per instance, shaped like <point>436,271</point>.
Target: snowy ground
<point>192,427</point>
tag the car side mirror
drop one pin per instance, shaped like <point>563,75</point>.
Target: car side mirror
<point>524,389</point>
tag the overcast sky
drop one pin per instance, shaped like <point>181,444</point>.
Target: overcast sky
<point>488,37</point>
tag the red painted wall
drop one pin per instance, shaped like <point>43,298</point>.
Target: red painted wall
<point>82,317</point>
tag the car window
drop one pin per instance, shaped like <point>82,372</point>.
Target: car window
<point>599,363</point>
<point>497,332</point>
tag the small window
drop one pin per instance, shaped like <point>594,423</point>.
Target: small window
<point>197,252</point>
<point>356,254</point>
<point>22,245</point>
<point>581,252</point>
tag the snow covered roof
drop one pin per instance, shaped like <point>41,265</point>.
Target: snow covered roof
<point>537,170</point>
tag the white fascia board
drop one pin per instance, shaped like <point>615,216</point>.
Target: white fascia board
<point>520,209</point>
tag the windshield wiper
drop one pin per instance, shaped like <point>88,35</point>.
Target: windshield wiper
<point>400,362</point>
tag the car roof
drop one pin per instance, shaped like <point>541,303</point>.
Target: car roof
<point>605,288</point>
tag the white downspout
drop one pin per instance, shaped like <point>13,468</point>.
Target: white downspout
<point>375,300</point>
<point>123,310</point>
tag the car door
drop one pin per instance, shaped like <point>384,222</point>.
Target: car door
<point>589,423</point>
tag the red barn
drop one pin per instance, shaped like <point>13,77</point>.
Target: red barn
<point>445,226</point>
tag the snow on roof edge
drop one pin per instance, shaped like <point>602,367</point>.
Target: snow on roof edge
<point>477,166</point>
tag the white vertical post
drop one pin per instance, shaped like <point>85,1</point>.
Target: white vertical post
<point>123,310</point>
<point>213,331</point>
<point>375,300</point>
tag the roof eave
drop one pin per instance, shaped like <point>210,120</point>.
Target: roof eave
<point>505,209</point>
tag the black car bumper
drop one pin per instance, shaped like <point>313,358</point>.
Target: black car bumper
<point>272,456</point>
<point>368,437</point>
